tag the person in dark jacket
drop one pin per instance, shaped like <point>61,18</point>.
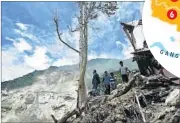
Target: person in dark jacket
<point>95,81</point>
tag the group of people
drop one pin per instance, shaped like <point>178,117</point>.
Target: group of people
<point>108,82</point>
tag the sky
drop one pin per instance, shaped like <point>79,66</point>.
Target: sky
<point>30,42</point>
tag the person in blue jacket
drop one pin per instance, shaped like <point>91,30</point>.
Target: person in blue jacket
<point>106,81</point>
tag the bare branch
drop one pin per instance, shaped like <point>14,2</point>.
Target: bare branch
<point>107,8</point>
<point>90,11</point>
<point>59,35</point>
<point>73,30</point>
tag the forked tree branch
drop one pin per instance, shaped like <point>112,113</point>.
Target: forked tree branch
<point>73,30</point>
<point>59,35</point>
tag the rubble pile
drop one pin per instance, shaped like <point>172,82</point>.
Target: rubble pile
<point>153,99</point>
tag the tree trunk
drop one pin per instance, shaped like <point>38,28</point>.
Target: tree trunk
<point>82,56</point>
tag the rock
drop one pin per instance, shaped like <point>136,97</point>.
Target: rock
<point>173,98</point>
<point>162,115</point>
<point>69,98</point>
<point>114,92</point>
<point>108,120</point>
<point>77,120</point>
<point>29,99</point>
<point>118,122</point>
<point>177,113</point>
<point>171,109</point>
<point>58,107</point>
<point>5,108</point>
<point>158,121</point>
<point>21,108</point>
<point>119,86</point>
<point>21,97</point>
<point>4,93</point>
<point>176,117</point>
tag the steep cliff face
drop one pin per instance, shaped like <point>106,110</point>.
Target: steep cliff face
<point>37,95</point>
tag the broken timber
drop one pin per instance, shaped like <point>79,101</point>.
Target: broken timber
<point>146,62</point>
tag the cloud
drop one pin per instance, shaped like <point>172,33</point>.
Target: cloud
<point>26,34</point>
<point>106,40</point>
<point>10,68</point>
<point>94,55</point>
<point>129,11</point>
<point>126,49</point>
<point>69,58</point>
<point>20,44</point>
<point>10,39</point>
<point>39,60</point>
<point>16,64</point>
<point>22,26</point>
<point>71,38</point>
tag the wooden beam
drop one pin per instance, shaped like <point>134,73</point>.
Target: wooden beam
<point>130,38</point>
<point>142,114</point>
<point>133,39</point>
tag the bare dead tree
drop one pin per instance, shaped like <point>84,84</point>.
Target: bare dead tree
<point>88,11</point>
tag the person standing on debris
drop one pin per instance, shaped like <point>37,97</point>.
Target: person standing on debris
<point>106,81</point>
<point>124,71</point>
<point>112,82</point>
<point>95,81</point>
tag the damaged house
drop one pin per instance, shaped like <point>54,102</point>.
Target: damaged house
<point>147,64</point>
<point>150,96</point>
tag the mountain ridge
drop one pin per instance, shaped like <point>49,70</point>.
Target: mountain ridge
<point>100,64</point>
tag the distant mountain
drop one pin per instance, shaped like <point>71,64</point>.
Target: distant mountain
<point>99,64</point>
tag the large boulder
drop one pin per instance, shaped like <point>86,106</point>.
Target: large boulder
<point>173,98</point>
<point>29,99</point>
<point>5,108</point>
<point>69,98</point>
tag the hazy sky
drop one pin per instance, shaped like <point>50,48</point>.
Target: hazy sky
<point>29,39</point>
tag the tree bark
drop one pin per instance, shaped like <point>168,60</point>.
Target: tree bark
<point>83,55</point>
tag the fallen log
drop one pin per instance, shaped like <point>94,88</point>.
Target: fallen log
<point>77,112</point>
<point>66,116</point>
<point>126,89</point>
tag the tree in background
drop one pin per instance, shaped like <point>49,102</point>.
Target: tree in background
<point>87,11</point>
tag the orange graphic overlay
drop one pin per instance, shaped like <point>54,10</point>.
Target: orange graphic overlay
<point>162,9</point>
